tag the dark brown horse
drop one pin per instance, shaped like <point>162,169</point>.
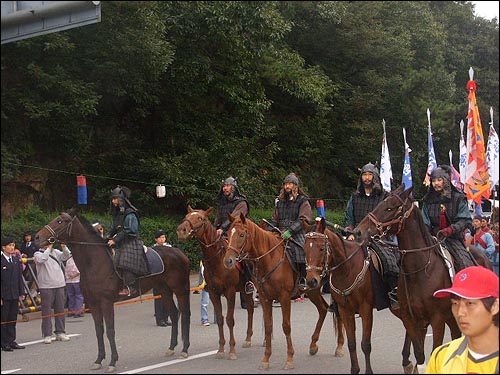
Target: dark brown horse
<point>220,280</point>
<point>100,283</point>
<point>275,279</point>
<point>346,266</point>
<point>422,268</point>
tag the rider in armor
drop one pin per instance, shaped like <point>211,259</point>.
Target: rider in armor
<point>123,236</point>
<point>446,213</point>
<point>292,207</point>
<point>367,196</point>
<point>230,200</point>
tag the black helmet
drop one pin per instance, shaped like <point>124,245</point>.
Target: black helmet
<point>121,192</point>
<point>372,168</point>
<point>159,233</point>
<point>292,177</point>
<point>442,171</point>
<point>230,181</point>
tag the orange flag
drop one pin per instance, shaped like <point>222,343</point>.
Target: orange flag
<point>477,184</point>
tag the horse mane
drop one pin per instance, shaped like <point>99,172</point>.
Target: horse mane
<point>88,226</point>
<point>429,240</point>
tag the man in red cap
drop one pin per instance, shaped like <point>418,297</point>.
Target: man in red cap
<point>474,303</point>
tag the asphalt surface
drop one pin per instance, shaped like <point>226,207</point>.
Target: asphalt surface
<point>142,345</point>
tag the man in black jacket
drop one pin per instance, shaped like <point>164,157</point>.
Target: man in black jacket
<point>12,291</point>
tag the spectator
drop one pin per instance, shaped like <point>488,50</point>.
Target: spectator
<point>75,297</point>
<point>494,232</point>
<point>474,304</point>
<point>161,314</point>
<point>52,289</point>
<point>28,247</point>
<point>12,292</point>
<point>483,239</point>
<point>485,224</point>
<point>99,228</point>
<point>205,298</point>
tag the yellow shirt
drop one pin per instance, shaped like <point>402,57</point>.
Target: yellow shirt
<point>454,358</point>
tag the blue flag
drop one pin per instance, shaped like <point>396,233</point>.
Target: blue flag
<point>407,179</point>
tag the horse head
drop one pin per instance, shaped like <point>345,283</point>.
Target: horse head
<point>238,235</point>
<point>316,249</point>
<point>194,224</point>
<point>388,217</point>
<point>59,229</point>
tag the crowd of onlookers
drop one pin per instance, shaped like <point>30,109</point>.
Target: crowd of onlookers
<point>484,235</point>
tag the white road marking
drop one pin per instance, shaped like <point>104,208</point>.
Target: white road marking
<point>40,341</point>
<point>169,363</point>
<point>10,371</point>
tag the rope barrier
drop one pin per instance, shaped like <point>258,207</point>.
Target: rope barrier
<point>119,303</point>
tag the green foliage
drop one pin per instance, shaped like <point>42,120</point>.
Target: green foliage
<point>31,219</point>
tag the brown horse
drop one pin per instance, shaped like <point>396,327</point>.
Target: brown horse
<point>422,268</point>
<point>346,265</point>
<point>275,279</point>
<point>220,280</point>
<point>100,283</point>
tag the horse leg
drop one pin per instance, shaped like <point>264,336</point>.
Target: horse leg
<point>407,364</point>
<point>366,340</point>
<point>287,329</point>
<point>168,301</point>
<point>250,310</point>
<point>216,301</point>
<point>99,332</point>
<point>437,332</point>
<point>338,324</point>
<point>185,311</point>
<point>109,317</point>
<point>268,330</point>
<point>322,307</point>
<point>350,327</point>
<point>454,329</point>
<point>230,298</point>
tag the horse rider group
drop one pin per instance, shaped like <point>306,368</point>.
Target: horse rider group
<point>444,210</point>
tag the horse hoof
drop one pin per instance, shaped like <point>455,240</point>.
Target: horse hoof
<point>110,369</point>
<point>183,355</point>
<point>246,344</point>
<point>288,366</point>
<point>264,366</point>
<point>232,356</point>
<point>408,369</point>
<point>339,353</point>
<point>219,355</point>
<point>96,366</point>
<point>169,353</point>
<point>313,350</point>
<point>420,369</point>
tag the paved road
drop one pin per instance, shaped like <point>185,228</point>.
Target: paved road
<point>141,345</point>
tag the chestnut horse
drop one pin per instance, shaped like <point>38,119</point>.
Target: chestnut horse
<point>346,265</point>
<point>100,283</point>
<point>220,280</point>
<point>422,268</point>
<point>275,279</point>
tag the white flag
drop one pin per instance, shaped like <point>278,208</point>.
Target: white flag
<point>492,153</point>
<point>385,164</point>
<point>462,164</point>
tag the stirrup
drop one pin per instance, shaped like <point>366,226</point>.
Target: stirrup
<point>302,284</point>
<point>249,287</point>
<point>393,298</point>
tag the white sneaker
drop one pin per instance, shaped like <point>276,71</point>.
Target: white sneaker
<point>47,340</point>
<point>62,337</point>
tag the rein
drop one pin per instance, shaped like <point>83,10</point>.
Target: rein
<point>325,270</point>
<point>55,235</point>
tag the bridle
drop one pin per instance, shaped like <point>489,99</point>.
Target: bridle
<point>55,235</point>
<point>399,218</point>
<point>325,270</point>
<point>193,235</point>
<point>67,228</point>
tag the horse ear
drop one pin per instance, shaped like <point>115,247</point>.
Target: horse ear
<point>190,209</point>
<point>231,217</point>
<point>209,211</point>
<point>242,217</point>
<point>73,211</point>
